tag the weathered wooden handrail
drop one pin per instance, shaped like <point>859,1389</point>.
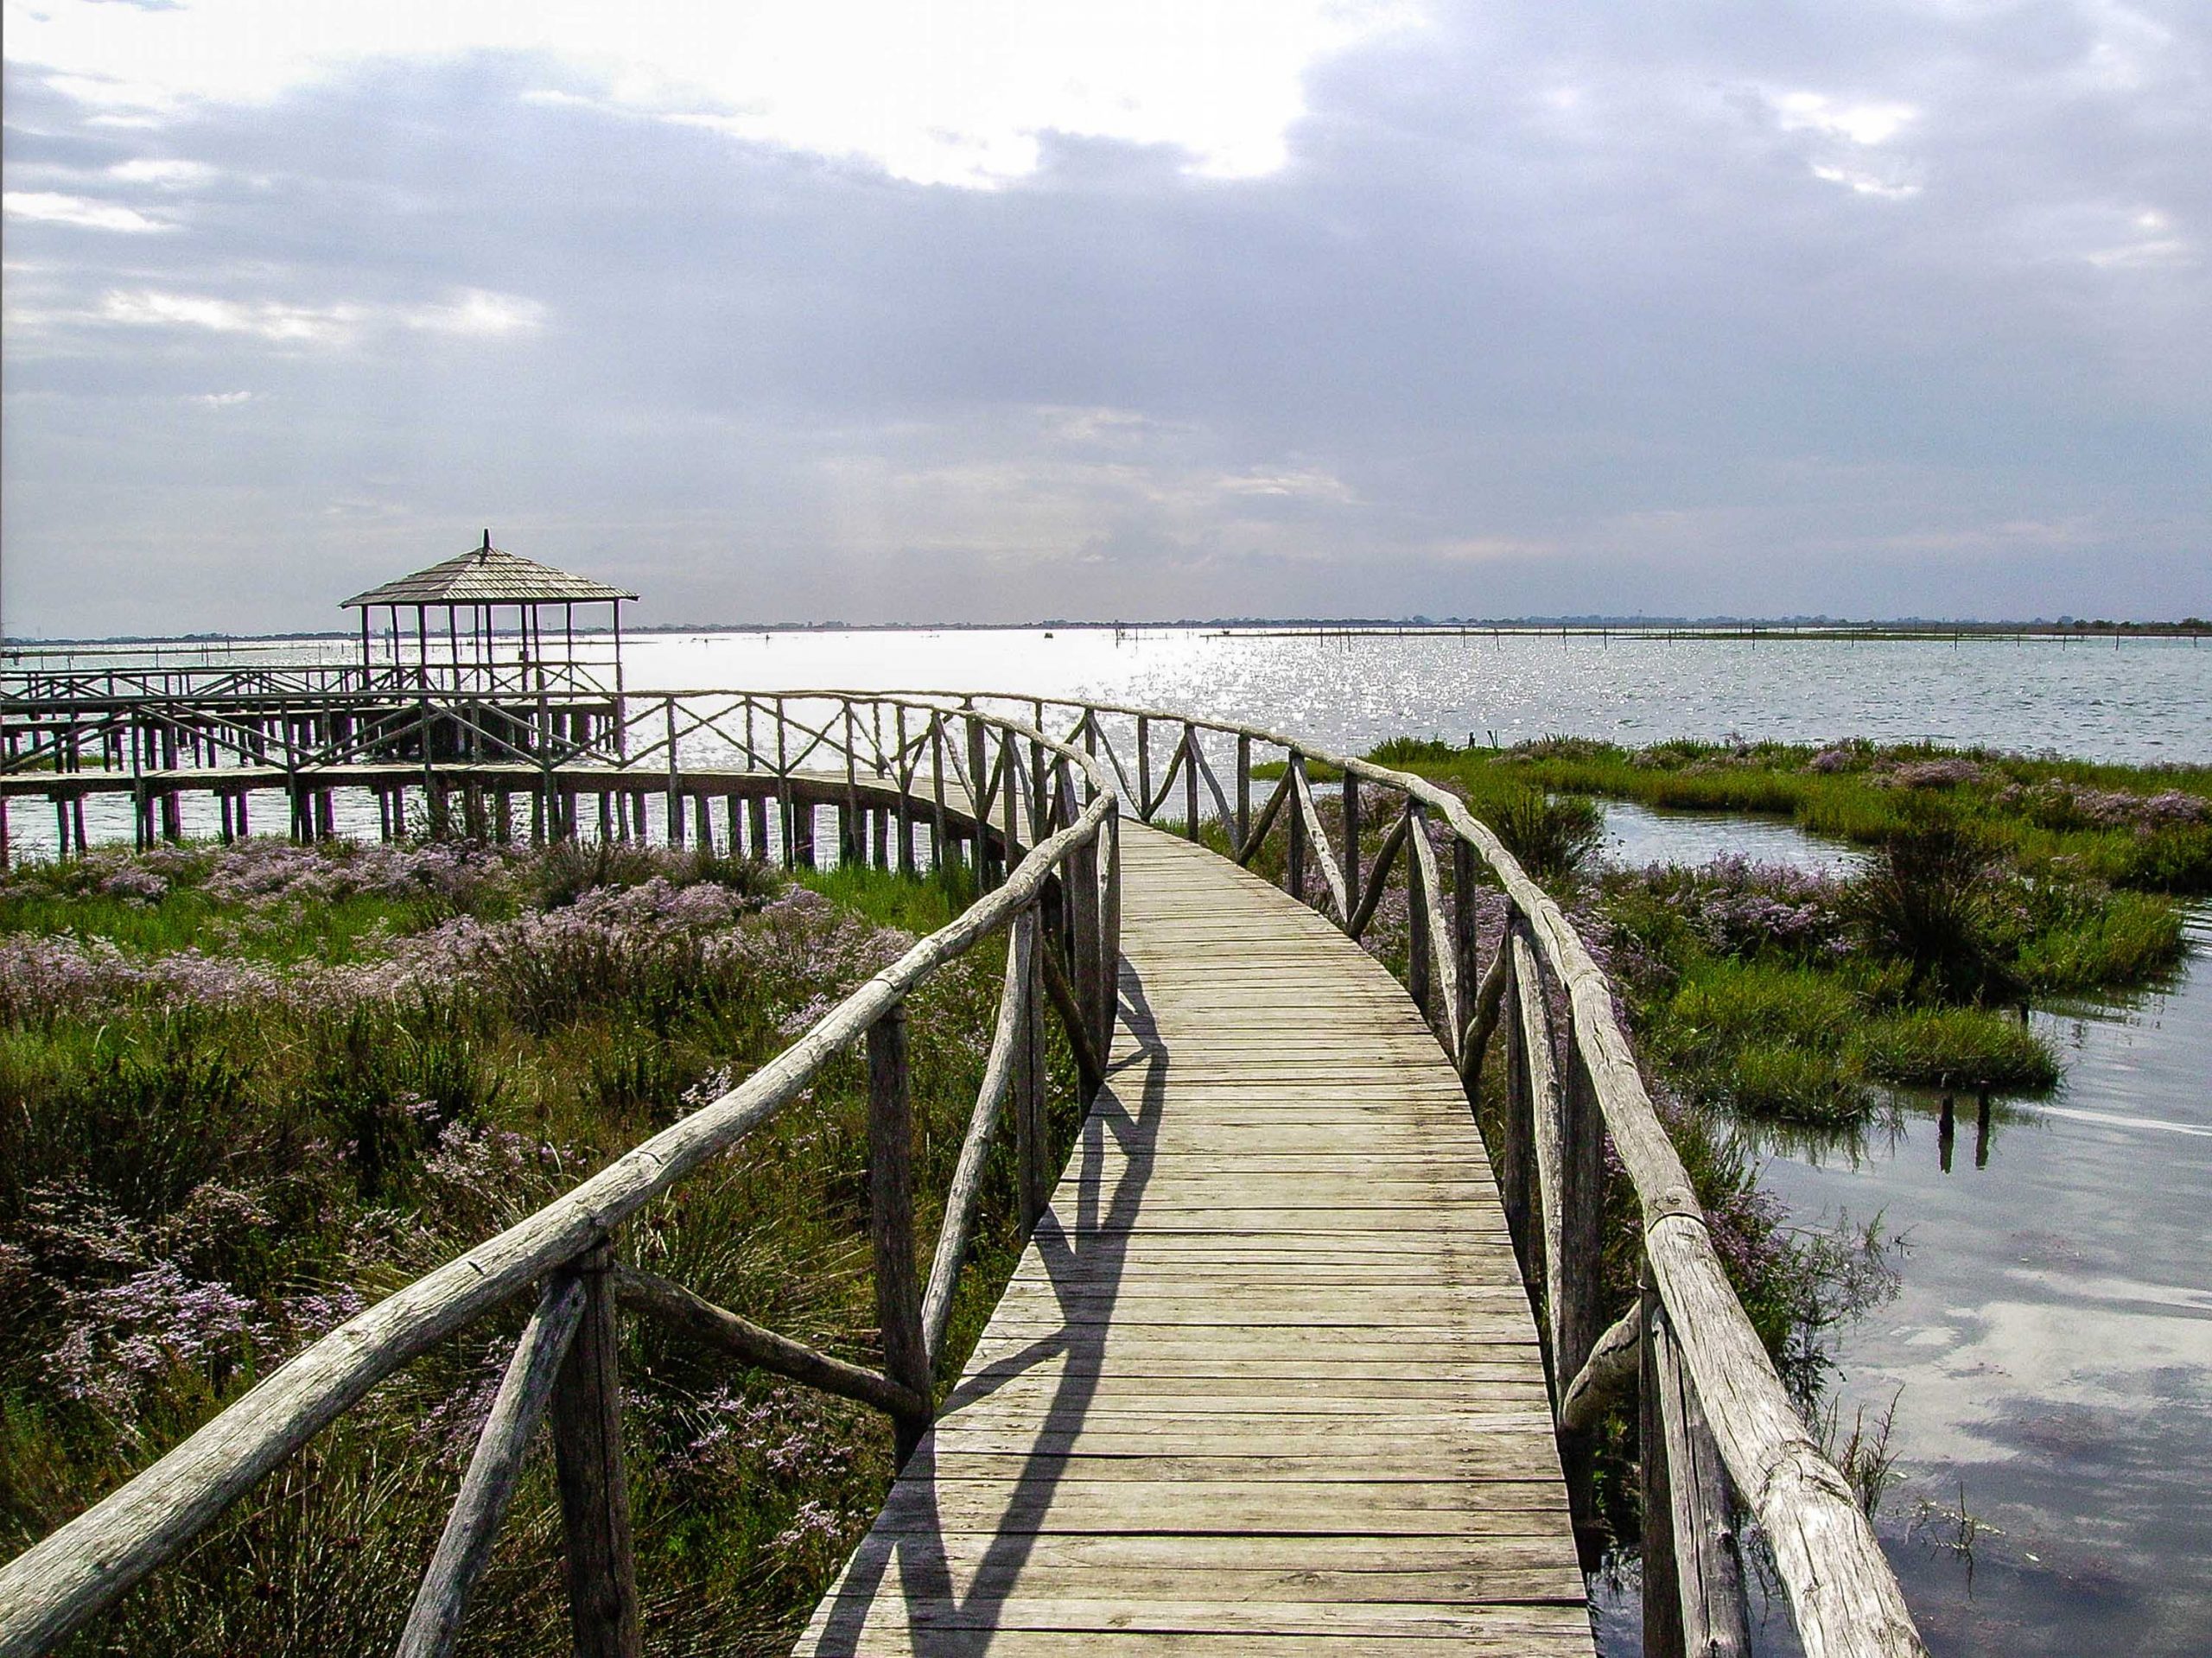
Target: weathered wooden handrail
<point>65,1578</point>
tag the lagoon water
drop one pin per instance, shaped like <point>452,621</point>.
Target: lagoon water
<point>2143,702</point>
<point>2049,1351</point>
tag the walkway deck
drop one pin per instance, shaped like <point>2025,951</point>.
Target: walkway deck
<point>1266,1379</point>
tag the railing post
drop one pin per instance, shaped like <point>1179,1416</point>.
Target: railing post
<point>937,792</point>
<point>1244,791</point>
<point>675,783</point>
<point>1190,781</point>
<point>1420,979</point>
<point>1144,769</point>
<point>1092,989</point>
<point>1294,870</point>
<point>786,807</point>
<point>1516,1182</point>
<point>979,805</point>
<point>1582,1202</point>
<point>1109,929</point>
<point>1029,1128</point>
<point>852,835</point>
<point>1577,1233</point>
<point>1705,1562</point>
<point>1040,793</point>
<point>587,1416</point>
<point>1464,943</point>
<point>1010,792</point>
<point>1662,1603</point>
<point>891,1218</point>
<point>905,782</point>
<point>1351,868</point>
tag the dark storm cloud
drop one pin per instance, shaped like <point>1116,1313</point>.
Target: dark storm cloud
<point>1867,310</point>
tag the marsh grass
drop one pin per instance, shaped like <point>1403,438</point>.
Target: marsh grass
<point>227,1122</point>
<point>2145,828</point>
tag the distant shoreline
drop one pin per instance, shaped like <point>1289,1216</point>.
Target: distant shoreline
<point>1683,628</point>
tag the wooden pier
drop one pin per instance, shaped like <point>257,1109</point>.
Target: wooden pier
<point>1292,1363</point>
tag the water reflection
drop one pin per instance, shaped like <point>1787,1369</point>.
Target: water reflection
<point>1636,835</point>
<point>2053,1336</point>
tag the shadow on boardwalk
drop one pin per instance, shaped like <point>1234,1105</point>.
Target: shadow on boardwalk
<point>1088,1262</point>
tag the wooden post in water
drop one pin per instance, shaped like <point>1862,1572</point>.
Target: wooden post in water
<point>587,1417</point>
<point>891,1218</point>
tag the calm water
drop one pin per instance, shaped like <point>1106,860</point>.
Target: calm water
<point>2143,702</point>
<point>2049,1351</point>
<point>1638,835</point>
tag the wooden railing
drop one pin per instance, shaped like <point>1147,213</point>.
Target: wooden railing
<point>585,671</point>
<point>1058,904</point>
<point>1717,1427</point>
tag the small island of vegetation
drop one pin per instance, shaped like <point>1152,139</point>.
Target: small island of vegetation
<point>1987,879</point>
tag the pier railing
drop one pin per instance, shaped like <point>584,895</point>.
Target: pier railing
<point>565,675</point>
<point>1056,903</point>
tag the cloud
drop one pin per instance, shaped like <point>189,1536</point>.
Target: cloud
<point>169,172</point>
<point>1860,124</point>
<point>938,94</point>
<point>464,313</point>
<point>1865,183</point>
<point>476,312</point>
<point>284,324</point>
<point>54,208</point>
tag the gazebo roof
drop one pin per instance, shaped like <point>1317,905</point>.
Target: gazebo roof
<point>486,575</point>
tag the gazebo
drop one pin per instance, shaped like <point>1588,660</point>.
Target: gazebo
<point>482,581</point>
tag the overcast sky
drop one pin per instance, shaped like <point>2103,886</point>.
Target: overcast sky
<point>1004,311</point>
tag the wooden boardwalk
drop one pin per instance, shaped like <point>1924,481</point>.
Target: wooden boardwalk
<point>1266,1379</point>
